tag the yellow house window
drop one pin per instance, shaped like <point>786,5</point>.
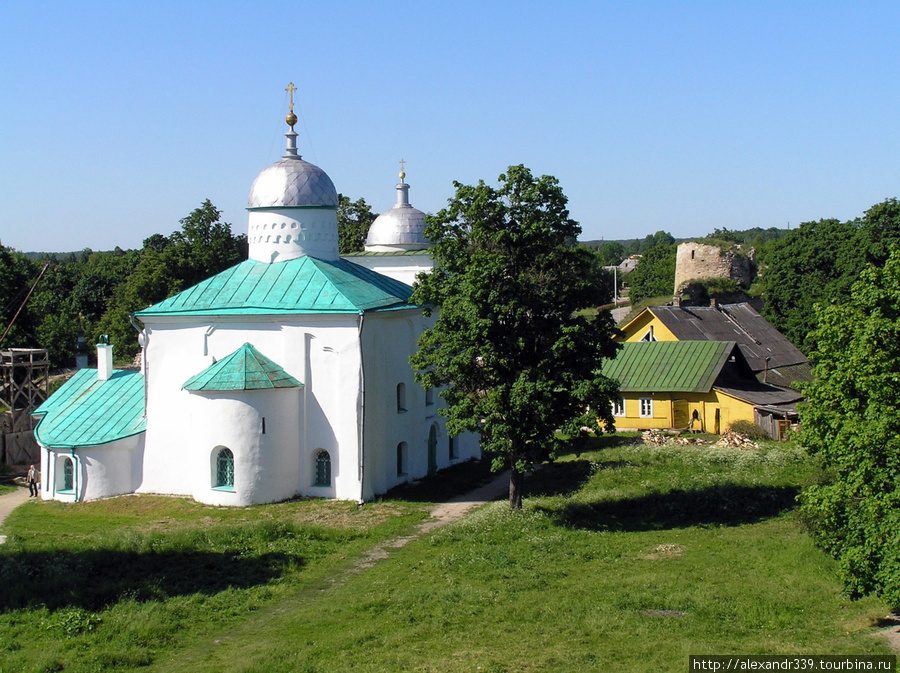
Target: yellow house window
<point>646,407</point>
<point>619,407</point>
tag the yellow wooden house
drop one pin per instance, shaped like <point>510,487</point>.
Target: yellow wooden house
<point>689,385</point>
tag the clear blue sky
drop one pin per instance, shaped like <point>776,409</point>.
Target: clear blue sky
<point>118,118</point>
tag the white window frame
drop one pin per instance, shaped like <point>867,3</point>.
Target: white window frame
<point>646,407</point>
<point>619,407</point>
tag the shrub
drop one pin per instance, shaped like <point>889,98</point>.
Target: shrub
<point>749,430</point>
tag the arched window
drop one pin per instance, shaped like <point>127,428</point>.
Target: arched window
<point>401,397</point>
<point>225,469</point>
<point>68,475</point>
<point>429,396</point>
<point>323,469</point>
<point>401,459</point>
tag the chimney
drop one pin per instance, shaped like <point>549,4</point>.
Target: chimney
<point>104,359</point>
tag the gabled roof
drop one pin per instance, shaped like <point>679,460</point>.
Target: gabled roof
<point>245,369</point>
<point>88,412</point>
<point>669,366</point>
<point>732,322</point>
<point>301,285</point>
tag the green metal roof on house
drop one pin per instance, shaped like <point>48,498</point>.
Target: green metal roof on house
<point>245,369</point>
<point>669,366</point>
<point>301,285</point>
<point>88,412</point>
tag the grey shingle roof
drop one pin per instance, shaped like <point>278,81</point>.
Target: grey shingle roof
<point>740,323</point>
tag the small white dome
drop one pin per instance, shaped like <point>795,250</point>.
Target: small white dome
<point>292,182</point>
<point>400,228</point>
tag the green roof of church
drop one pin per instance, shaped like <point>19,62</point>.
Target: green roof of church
<point>88,412</point>
<point>668,366</point>
<point>301,285</point>
<point>245,369</point>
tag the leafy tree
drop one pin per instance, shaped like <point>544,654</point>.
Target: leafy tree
<point>880,229</point>
<point>852,421</point>
<point>640,246</point>
<point>203,247</point>
<point>654,275</point>
<point>517,362</point>
<point>611,253</point>
<point>53,301</point>
<point>17,275</point>
<point>816,263</point>
<point>354,219</point>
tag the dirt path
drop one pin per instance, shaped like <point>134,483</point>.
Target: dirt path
<point>442,514</point>
<point>8,503</point>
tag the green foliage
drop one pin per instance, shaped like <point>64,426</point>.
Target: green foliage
<point>17,274</point>
<point>852,422</point>
<point>701,291</point>
<point>818,263</point>
<point>517,361</point>
<point>354,219</point>
<point>654,275</point>
<point>611,253</point>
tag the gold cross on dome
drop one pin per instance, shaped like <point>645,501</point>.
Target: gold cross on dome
<point>402,167</point>
<point>291,89</point>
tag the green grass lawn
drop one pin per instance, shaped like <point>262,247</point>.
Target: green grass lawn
<point>625,558</point>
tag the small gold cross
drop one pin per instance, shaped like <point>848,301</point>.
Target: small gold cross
<point>291,89</point>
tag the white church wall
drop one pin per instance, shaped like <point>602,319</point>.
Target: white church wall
<point>404,268</point>
<point>389,339</point>
<point>96,472</point>
<point>321,351</point>
<point>260,428</point>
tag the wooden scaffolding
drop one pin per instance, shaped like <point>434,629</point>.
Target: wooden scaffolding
<point>24,385</point>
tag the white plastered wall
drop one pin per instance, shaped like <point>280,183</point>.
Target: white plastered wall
<point>404,268</point>
<point>321,351</point>
<point>389,339</point>
<point>98,471</point>
<point>261,429</point>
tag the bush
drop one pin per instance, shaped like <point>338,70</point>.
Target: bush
<point>749,430</point>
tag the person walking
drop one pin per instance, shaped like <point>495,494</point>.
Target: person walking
<point>32,477</point>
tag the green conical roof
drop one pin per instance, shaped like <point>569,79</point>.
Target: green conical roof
<point>245,369</point>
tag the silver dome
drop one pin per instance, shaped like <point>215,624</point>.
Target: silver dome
<point>292,182</point>
<point>400,226</point>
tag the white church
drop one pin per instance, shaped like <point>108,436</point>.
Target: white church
<point>284,376</point>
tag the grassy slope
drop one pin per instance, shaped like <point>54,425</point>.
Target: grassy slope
<point>626,558</point>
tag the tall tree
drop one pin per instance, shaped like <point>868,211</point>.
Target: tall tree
<point>354,219</point>
<point>654,275</point>
<point>17,275</point>
<point>203,247</point>
<point>852,421</point>
<point>516,361</point>
<point>817,262</point>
